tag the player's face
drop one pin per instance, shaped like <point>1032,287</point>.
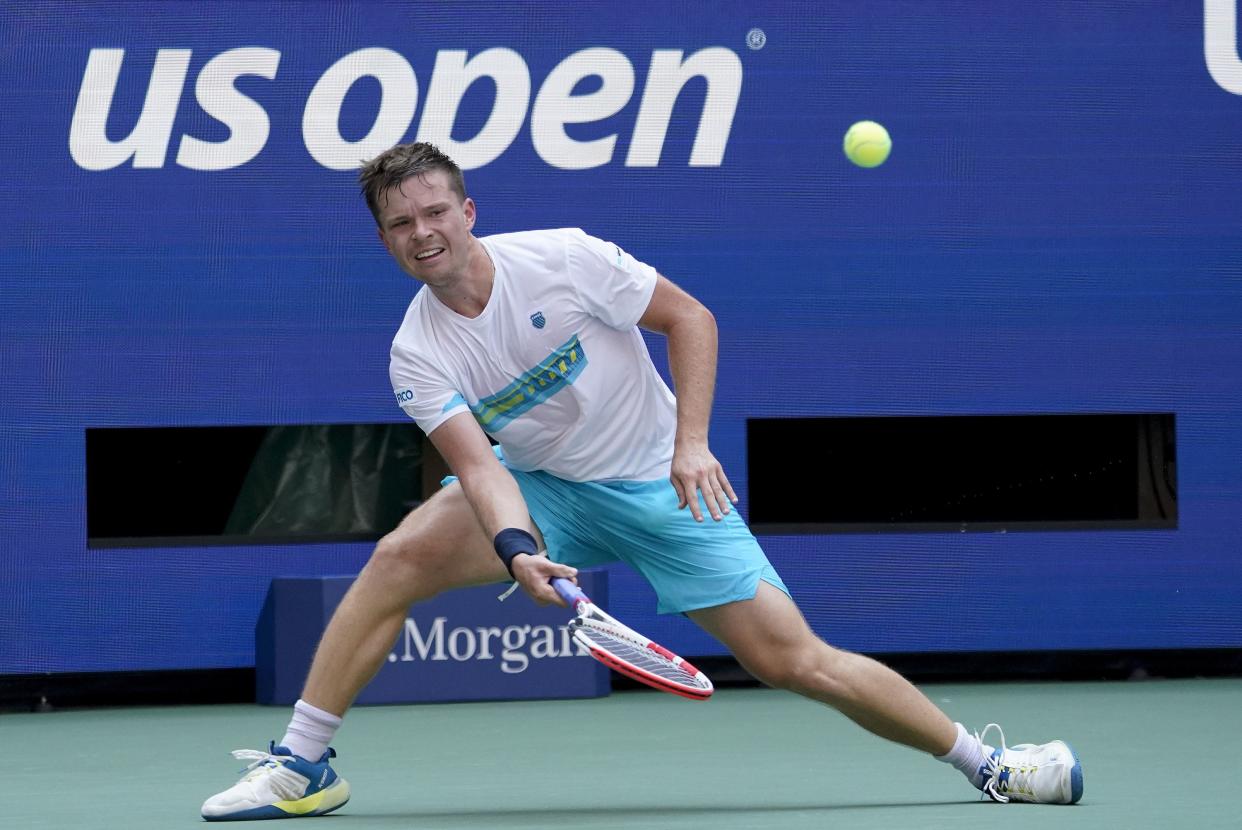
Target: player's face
<point>426,226</point>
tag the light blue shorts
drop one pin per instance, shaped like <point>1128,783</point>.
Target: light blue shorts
<point>691,565</point>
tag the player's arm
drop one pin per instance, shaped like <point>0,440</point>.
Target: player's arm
<point>691,332</point>
<point>497,503</point>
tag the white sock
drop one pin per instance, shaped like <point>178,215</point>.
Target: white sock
<point>310,731</point>
<point>967,756</point>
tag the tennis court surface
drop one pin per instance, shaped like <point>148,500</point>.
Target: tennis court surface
<point>1155,754</point>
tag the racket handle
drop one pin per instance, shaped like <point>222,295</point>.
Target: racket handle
<point>569,592</point>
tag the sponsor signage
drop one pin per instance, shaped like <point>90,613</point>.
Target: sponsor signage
<point>462,645</point>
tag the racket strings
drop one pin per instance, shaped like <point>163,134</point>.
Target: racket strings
<point>636,654</point>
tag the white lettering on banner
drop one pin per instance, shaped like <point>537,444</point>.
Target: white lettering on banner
<point>514,638</point>
<point>415,637</point>
<point>398,98</point>
<point>1220,44</point>
<point>147,143</point>
<point>247,121</point>
<point>555,105</point>
<point>519,644</point>
<point>668,74</point>
<point>450,79</point>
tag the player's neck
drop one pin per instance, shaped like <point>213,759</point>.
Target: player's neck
<point>469,294</point>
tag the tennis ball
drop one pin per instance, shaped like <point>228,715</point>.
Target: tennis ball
<point>867,144</point>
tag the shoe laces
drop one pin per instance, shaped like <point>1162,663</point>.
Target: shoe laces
<point>1018,779</point>
<point>265,763</point>
<point>257,759</point>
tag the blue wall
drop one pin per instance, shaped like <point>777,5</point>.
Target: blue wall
<point>1057,230</point>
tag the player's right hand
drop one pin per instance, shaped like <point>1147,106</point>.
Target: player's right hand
<point>534,572</point>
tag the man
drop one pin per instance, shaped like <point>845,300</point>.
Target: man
<point>533,338</point>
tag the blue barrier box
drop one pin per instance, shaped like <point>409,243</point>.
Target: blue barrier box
<point>462,645</point>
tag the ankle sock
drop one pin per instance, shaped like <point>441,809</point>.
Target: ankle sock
<point>310,731</point>
<point>967,756</point>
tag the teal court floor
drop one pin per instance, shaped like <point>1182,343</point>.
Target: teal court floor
<point>1156,754</point>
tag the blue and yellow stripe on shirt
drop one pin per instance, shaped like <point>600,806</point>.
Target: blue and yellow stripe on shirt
<point>535,386</point>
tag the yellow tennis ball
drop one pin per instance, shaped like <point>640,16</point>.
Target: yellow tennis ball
<point>867,144</point>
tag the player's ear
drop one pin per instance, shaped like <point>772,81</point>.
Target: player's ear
<point>383,239</point>
<point>469,209</point>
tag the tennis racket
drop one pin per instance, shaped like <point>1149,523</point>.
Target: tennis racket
<point>626,651</point>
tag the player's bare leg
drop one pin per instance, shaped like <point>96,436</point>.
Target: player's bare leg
<point>770,638</point>
<point>438,547</point>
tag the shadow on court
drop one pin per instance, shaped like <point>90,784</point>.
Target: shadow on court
<point>629,816</point>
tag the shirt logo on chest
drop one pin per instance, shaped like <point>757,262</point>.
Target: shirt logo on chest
<point>558,370</point>
<point>538,320</point>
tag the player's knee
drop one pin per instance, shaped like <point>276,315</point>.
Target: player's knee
<point>808,667</point>
<point>793,675</point>
<point>403,559</point>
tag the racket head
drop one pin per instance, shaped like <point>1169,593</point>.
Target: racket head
<point>629,653</point>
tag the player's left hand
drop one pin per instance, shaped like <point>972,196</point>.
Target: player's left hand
<point>695,470</point>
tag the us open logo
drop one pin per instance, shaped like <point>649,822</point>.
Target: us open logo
<point>538,320</point>
<point>93,142</point>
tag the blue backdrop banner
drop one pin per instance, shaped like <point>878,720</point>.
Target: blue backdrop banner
<point>1055,231</point>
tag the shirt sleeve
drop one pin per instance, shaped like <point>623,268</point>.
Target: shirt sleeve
<point>611,284</point>
<point>425,394</point>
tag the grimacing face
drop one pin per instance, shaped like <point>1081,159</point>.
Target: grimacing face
<point>426,227</point>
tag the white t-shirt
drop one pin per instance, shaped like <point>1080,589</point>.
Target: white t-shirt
<point>554,369</point>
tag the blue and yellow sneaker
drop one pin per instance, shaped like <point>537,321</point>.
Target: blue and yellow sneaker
<point>1035,773</point>
<point>279,784</point>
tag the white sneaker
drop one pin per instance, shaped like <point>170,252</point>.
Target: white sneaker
<point>279,784</point>
<point>1037,773</point>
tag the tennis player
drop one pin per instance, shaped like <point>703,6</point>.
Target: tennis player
<point>533,339</point>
